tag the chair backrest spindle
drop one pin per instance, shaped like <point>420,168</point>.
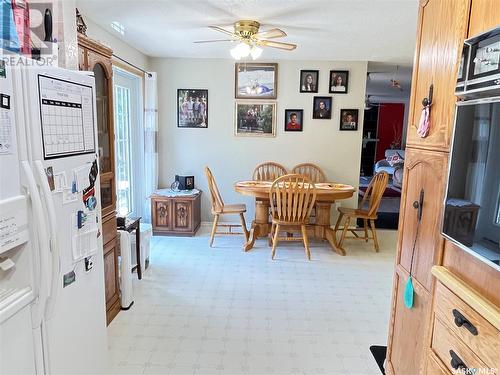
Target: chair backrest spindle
<point>310,170</point>
<point>217,202</point>
<point>268,171</point>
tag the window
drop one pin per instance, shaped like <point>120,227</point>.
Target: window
<point>123,153</point>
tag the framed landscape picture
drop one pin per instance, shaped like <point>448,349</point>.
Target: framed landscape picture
<point>309,80</point>
<point>255,118</point>
<point>349,119</point>
<point>256,81</point>
<point>192,108</point>
<point>322,107</point>
<point>339,81</point>
<point>293,120</point>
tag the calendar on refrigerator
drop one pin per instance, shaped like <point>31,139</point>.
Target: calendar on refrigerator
<point>67,116</point>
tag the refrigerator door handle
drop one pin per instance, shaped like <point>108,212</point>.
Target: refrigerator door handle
<point>41,228</point>
<point>56,265</point>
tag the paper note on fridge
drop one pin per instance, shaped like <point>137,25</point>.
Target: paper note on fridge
<point>60,182</point>
<point>81,176</point>
<point>84,236</point>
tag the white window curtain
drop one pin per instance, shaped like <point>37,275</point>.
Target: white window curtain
<point>150,142</point>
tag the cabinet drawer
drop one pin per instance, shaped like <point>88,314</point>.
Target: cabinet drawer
<point>486,343</point>
<point>435,367</point>
<point>445,343</point>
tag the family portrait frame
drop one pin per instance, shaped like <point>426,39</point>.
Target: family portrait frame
<point>339,82</point>
<point>349,119</point>
<point>309,81</point>
<point>294,120</point>
<point>256,81</point>
<point>322,107</point>
<point>255,118</point>
<point>192,108</point>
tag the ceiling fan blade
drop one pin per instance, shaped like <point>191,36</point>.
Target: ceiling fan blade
<point>214,40</point>
<point>220,29</point>
<point>280,45</point>
<point>272,33</point>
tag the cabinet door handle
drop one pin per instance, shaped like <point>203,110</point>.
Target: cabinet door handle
<point>457,363</point>
<point>461,321</point>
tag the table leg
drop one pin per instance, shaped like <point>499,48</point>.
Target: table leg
<point>323,222</point>
<point>138,250</point>
<point>260,225</point>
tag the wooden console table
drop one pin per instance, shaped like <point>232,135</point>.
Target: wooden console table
<point>176,212</point>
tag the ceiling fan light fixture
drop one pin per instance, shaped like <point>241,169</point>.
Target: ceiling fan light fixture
<point>256,52</point>
<point>242,49</point>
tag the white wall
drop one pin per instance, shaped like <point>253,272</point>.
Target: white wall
<point>231,158</point>
<point>119,47</point>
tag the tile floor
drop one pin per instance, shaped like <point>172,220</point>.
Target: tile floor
<point>204,311</point>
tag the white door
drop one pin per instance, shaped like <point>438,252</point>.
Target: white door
<point>129,142</point>
<point>18,239</point>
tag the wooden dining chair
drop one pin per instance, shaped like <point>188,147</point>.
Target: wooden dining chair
<point>268,171</point>
<point>312,171</point>
<point>220,208</point>
<point>367,211</point>
<point>292,198</point>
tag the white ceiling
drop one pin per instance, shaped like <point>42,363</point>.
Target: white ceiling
<point>373,30</point>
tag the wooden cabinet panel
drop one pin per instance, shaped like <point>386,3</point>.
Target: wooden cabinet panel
<point>409,329</point>
<point>182,214</point>
<point>477,274</point>
<point>484,15</point>
<point>108,229</point>
<point>441,33</point>
<point>425,170</point>
<point>435,366</point>
<point>162,214</point>
<point>111,286</point>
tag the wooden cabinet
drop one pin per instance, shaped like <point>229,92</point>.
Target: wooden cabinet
<point>442,29</point>
<point>407,331</point>
<point>424,171</point>
<point>177,214</point>
<point>484,15</point>
<point>95,57</point>
<point>413,347</point>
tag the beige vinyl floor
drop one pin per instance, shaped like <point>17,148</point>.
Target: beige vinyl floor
<point>206,311</point>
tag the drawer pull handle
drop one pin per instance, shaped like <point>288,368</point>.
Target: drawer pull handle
<point>460,321</point>
<point>457,363</point>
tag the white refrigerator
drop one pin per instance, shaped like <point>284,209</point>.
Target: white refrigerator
<point>52,303</point>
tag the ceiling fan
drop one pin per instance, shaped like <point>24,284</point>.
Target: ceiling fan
<point>246,32</point>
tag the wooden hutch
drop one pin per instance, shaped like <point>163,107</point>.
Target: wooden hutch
<point>444,276</point>
<point>93,56</point>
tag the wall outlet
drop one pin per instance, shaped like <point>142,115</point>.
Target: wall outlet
<point>88,264</point>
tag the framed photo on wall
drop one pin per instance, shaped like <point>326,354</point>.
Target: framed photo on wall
<point>255,118</point>
<point>339,81</point>
<point>309,80</point>
<point>349,119</point>
<point>322,107</point>
<point>192,108</point>
<point>293,120</point>
<point>256,81</point>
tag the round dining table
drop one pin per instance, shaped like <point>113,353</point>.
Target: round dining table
<point>326,194</point>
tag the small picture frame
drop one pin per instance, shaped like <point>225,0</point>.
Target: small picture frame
<point>294,120</point>
<point>255,118</point>
<point>192,108</point>
<point>339,81</point>
<point>349,119</point>
<point>309,80</point>
<point>322,107</point>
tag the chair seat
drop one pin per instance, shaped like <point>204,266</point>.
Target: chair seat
<point>355,212</point>
<point>232,209</point>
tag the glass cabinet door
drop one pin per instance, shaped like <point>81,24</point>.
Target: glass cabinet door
<point>102,100</point>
